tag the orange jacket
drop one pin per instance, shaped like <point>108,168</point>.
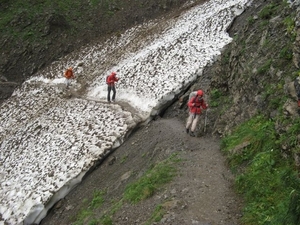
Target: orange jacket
<point>69,73</point>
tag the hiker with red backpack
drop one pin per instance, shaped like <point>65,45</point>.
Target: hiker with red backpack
<point>69,75</point>
<point>195,104</point>
<point>110,80</point>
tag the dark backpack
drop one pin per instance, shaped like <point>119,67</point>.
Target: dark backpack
<point>106,80</point>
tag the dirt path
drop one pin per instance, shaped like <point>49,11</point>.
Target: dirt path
<point>201,193</point>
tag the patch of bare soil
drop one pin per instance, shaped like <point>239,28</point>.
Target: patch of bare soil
<point>201,193</point>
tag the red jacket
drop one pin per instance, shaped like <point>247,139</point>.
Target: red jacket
<point>112,79</point>
<point>195,105</point>
<point>69,73</point>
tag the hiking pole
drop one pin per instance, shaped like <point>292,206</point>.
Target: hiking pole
<point>205,120</point>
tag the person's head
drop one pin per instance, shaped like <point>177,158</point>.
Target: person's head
<point>71,68</point>
<point>113,74</point>
<point>200,94</point>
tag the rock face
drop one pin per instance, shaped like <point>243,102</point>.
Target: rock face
<point>258,68</point>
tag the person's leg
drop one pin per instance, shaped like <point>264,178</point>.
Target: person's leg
<point>108,92</point>
<point>114,93</point>
<point>67,81</point>
<point>194,123</point>
<point>189,122</point>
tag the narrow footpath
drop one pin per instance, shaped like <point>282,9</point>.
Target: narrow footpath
<point>201,193</point>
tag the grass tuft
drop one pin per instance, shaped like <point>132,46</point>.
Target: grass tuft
<point>146,186</point>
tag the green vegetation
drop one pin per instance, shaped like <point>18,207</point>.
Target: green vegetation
<point>268,11</point>
<point>251,20</point>
<point>146,186</point>
<point>124,158</point>
<point>87,212</point>
<point>269,184</point>
<point>160,174</point>
<point>157,215</point>
<point>290,27</point>
<point>18,17</point>
<point>215,98</point>
<point>286,53</point>
<point>264,151</point>
<point>265,68</point>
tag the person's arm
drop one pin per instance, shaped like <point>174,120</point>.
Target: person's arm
<point>109,80</point>
<point>204,105</point>
<point>191,102</point>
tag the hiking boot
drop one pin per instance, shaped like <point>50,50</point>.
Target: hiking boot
<point>192,134</point>
<point>187,130</point>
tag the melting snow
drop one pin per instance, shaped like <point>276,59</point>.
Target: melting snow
<point>51,137</point>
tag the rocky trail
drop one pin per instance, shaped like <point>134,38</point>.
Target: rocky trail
<point>201,193</point>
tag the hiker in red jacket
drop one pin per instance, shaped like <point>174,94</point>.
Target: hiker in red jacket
<point>111,79</point>
<point>69,75</point>
<point>195,105</point>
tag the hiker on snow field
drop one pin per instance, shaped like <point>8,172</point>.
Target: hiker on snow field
<point>297,88</point>
<point>69,75</point>
<point>111,79</point>
<point>195,104</point>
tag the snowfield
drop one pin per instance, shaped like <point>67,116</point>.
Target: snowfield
<point>50,136</point>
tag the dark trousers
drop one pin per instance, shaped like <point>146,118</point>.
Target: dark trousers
<point>109,89</point>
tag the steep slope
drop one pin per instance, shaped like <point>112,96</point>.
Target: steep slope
<point>46,91</point>
<point>33,34</point>
<point>254,75</point>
